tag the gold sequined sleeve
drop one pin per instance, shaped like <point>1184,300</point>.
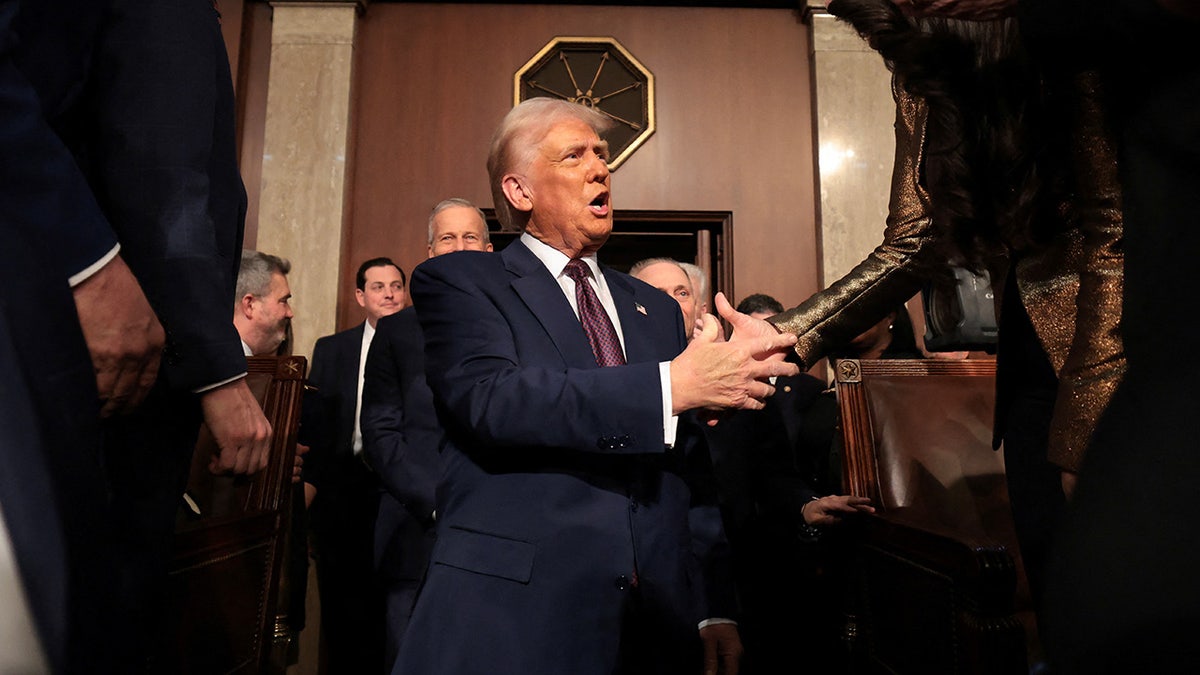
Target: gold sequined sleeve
<point>1095,362</point>
<point>877,285</point>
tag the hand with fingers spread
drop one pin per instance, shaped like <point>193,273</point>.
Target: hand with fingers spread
<point>746,327</point>
<point>242,432</point>
<point>713,373</point>
<point>123,336</point>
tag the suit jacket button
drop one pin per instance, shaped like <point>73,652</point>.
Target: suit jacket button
<point>622,583</point>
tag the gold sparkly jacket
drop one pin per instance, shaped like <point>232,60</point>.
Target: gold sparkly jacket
<point>1071,288</point>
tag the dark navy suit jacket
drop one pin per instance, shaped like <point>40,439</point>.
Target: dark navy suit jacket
<point>402,440</point>
<point>335,375</point>
<point>558,486</point>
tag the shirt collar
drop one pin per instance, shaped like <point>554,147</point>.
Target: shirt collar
<point>554,259</point>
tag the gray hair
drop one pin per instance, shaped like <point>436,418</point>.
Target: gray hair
<point>643,264</point>
<point>254,274</point>
<point>456,202</point>
<point>516,139</point>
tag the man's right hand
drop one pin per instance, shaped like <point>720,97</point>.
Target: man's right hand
<point>237,423</point>
<point>123,336</point>
<point>713,373</point>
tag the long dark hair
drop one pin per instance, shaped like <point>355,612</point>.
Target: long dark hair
<point>985,163</point>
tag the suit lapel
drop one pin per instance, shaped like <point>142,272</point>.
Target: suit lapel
<point>545,300</point>
<point>636,326</point>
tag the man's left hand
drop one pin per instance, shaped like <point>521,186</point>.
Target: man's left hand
<point>242,433</point>
<point>747,327</point>
<point>722,648</point>
<point>123,336</point>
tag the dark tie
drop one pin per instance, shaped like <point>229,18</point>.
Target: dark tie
<point>596,324</point>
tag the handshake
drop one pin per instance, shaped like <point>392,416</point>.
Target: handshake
<point>716,373</point>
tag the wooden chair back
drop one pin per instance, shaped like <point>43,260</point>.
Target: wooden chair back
<point>226,574</point>
<point>939,580</point>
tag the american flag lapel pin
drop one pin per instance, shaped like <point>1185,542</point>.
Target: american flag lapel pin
<point>639,308</point>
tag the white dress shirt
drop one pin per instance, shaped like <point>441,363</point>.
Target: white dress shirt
<point>556,262</point>
<point>368,335</point>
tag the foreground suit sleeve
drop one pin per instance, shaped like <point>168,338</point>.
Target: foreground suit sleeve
<point>165,159</point>
<point>319,423</point>
<point>42,190</point>
<point>393,390</point>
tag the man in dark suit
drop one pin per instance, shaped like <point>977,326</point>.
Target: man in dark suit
<point>401,435</point>
<point>347,491</point>
<point>119,164</point>
<point>563,519</point>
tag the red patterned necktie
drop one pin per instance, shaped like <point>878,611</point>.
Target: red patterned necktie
<point>596,324</point>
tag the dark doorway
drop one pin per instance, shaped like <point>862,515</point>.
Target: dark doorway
<point>704,238</point>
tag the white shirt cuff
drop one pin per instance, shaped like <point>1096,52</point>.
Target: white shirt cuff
<point>83,274</point>
<point>210,387</point>
<point>670,422</point>
<point>716,620</point>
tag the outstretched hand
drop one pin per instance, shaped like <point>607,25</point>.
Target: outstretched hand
<point>747,327</point>
<point>713,373</point>
<point>830,510</point>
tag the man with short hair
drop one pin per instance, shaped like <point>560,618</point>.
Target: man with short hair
<point>347,491</point>
<point>401,434</point>
<point>760,306</point>
<point>262,309</point>
<point>669,276</point>
<point>564,542</point>
<point>456,224</point>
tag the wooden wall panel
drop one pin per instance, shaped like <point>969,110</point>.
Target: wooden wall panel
<point>734,124</point>
<point>250,79</point>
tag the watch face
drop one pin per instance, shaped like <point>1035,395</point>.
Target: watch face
<point>601,74</point>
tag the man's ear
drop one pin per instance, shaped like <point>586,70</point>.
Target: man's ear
<point>246,305</point>
<point>516,191</point>
<point>358,295</point>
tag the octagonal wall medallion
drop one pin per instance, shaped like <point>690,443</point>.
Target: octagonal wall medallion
<point>600,73</point>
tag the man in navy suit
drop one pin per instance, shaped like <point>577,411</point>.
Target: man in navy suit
<point>118,169</point>
<point>347,491</point>
<point>401,435</point>
<point>564,543</point>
